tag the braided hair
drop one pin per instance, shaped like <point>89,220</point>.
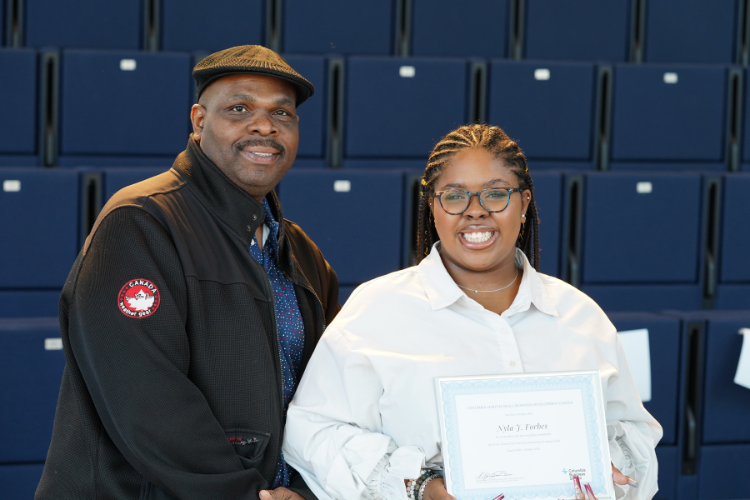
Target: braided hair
<point>496,142</point>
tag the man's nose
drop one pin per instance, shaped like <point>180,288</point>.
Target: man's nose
<point>262,124</point>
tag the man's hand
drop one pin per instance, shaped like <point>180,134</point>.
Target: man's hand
<point>435,490</point>
<point>279,494</point>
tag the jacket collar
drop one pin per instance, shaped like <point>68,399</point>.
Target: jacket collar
<point>229,203</point>
<point>442,291</point>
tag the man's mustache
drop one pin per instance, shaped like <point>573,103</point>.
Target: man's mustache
<point>266,143</point>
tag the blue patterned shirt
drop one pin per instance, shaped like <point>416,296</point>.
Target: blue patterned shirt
<point>291,332</point>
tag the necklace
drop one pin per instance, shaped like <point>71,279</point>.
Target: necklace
<point>490,291</point>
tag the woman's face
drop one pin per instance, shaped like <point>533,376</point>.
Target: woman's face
<point>477,240</point>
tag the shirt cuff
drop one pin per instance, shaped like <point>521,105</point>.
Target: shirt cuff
<point>387,480</point>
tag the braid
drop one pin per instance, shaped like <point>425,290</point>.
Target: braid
<point>497,142</point>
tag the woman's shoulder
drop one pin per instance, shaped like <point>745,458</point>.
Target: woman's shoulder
<point>569,301</point>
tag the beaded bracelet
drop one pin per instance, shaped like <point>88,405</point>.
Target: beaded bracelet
<point>412,489</point>
<point>432,476</point>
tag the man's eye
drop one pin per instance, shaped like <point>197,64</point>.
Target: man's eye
<point>238,109</point>
<point>283,113</point>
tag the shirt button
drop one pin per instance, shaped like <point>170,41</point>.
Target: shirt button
<point>255,217</point>
<point>512,363</point>
<point>249,228</point>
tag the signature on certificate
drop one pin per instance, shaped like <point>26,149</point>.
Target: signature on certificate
<point>489,476</point>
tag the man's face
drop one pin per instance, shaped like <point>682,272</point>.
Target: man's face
<point>248,126</point>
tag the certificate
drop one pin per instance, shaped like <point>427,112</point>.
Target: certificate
<point>524,435</point>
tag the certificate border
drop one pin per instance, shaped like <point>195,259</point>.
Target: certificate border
<point>587,381</point>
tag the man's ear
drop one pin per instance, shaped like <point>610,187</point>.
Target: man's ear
<point>197,115</point>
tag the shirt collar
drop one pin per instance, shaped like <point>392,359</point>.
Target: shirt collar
<point>442,291</point>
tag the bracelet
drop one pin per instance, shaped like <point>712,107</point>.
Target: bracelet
<point>412,489</point>
<point>432,476</point>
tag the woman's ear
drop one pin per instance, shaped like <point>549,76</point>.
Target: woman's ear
<point>526,198</point>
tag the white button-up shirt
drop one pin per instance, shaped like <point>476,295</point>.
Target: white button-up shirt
<point>365,416</point>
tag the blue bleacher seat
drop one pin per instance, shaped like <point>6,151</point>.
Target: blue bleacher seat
<point>726,405</point>
<point>690,31</point>
<point>460,29</point>
<point>548,195</point>
<point>40,237</point>
<point>31,366</point>
<point>588,30</point>
<point>84,24</point>
<point>668,117</point>
<point>123,107</point>
<point>191,25</point>
<point>669,466</point>
<point>664,345</point>
<point>338,26</point>
<point>19,482</point>
<point>402,107</point>
<point>115,179</point>
<point>722,472</point>
<point>354,216</point>
<point>547,107</point>
<point>641,234</point>
<point>28,303</point>
<point>312,114</point>
<point>18,129</point>
<point>733,289</point>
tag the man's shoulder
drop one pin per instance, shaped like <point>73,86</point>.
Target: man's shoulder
<point>138,194</point>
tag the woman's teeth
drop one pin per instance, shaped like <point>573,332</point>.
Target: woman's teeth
<point>478,237</point>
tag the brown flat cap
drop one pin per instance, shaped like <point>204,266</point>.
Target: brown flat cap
<point>253,59</point>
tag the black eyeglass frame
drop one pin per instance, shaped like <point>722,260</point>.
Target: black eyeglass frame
<point>478,194</point>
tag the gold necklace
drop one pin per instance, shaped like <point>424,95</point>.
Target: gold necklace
<point>490,291</point>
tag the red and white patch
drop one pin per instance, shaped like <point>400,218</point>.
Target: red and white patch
<point>139,299</point>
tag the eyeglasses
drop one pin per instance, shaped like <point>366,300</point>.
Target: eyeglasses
<point>456,201</point>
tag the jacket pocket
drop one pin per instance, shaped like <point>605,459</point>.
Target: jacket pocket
<point>249,446</point>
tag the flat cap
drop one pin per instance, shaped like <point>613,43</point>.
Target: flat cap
<point>252,59</point>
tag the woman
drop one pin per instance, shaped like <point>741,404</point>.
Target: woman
<point>364,417</point>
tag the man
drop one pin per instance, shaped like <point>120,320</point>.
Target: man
<point>192,309</point>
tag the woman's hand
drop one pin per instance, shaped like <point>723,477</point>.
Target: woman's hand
<point>435,490</point>
<point>620,478</point>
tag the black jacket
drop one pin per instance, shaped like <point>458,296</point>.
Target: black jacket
<point>182,398</point>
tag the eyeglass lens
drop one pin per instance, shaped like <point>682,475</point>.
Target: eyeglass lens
<point>457,201</point>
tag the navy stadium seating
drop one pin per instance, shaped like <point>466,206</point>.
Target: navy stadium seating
<point>726,404</point>
<point>338,26</point>
<point>191,25</point>
<point>31,366</point>
<point>354,216</point>
<point>691,31</point>
<point>40,227</point>
<point>664,345</point>
<point>722,471</point>
<point>124,108</point>
<point>115,179</point>
<point>588,30</point>
<point>668,458</point>
<point>3,30</point>
<point>460,29</point>
<point>641,235</point>
<point>733,290</point>
<point>402,107</point>
<point>548,195</point>
<point>18,128</point>
<point>18,482</point>
<point>547,107</point>
<point>84,24</point>
<point>312,113</point>
<point>28,303</point>
<point>746,124</point>
<point>669,117</point>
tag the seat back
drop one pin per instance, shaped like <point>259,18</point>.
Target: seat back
<point>18,129</point>
<point>587,30</point>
